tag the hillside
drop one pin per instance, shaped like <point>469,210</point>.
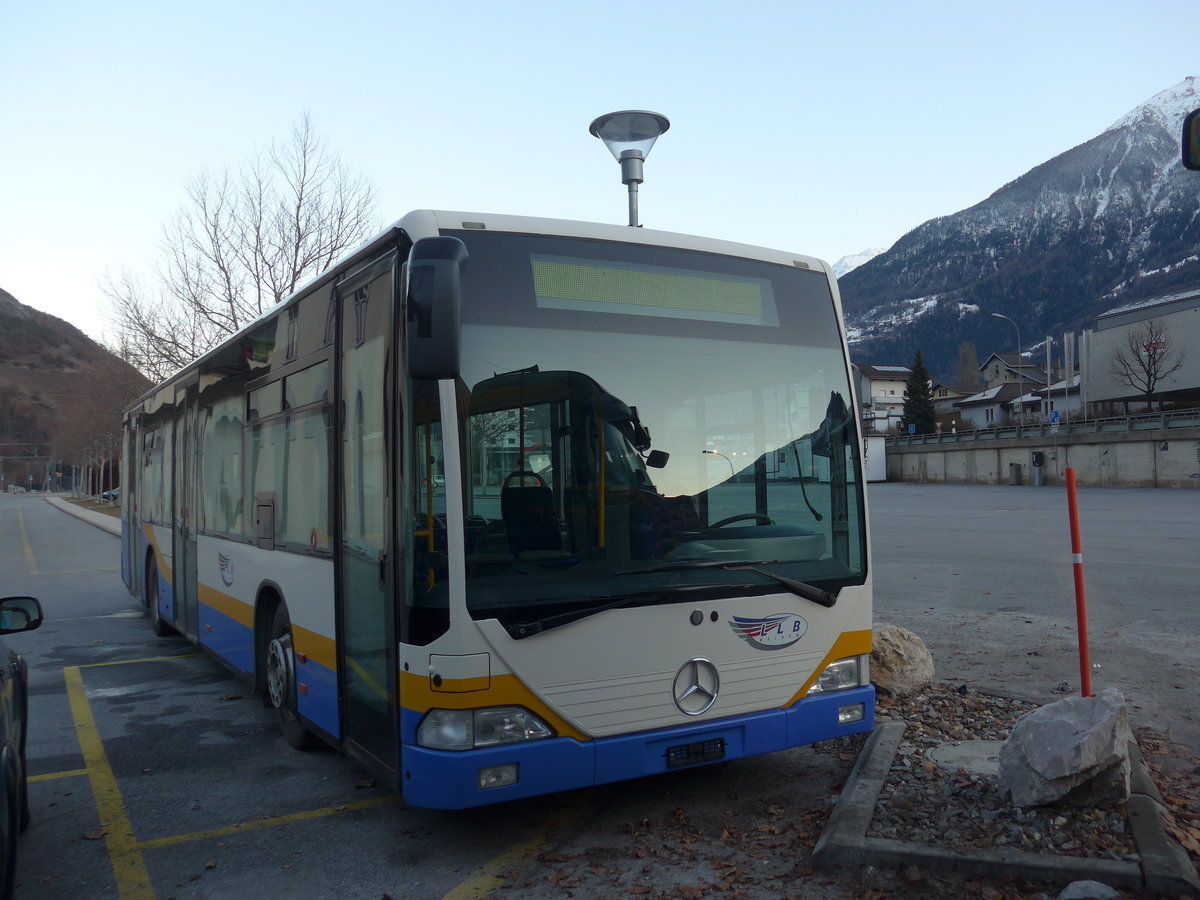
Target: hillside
<point>1110,222</point>
<point>61,393</point>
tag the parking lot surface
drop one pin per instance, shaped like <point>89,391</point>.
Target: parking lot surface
<point>155,773</point>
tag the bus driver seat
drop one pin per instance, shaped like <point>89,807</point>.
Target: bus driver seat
<point>530,519</point>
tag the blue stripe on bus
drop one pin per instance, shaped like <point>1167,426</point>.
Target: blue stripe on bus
<point>320,703</point>
<point>447,780</point>
<point>166,597</point>
<point>227,638</point>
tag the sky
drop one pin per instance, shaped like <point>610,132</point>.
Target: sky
<point>818,128</point>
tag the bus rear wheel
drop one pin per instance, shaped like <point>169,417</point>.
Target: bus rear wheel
<point>281,682</point>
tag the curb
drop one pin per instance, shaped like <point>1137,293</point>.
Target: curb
<point>1164,869</point>
<point>100,520</point>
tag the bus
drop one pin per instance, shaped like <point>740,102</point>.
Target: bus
<point>502,506</point>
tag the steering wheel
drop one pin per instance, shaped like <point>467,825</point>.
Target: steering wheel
<point>759,518</point>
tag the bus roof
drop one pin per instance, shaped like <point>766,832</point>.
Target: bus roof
<point>428,223</point>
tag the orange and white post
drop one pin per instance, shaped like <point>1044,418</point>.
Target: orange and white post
<point>1085,668</point>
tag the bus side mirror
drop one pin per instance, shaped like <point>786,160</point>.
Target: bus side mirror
<point>1191,140</point>
<point>433,307</point>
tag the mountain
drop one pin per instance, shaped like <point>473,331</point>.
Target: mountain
<point>61,393</point>
<point>1110,222</point>
<point>852,262</point>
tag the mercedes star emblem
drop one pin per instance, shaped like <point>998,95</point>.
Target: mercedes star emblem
<point>696,687</point>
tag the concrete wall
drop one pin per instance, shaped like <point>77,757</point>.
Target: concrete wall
<point>1160,458</point>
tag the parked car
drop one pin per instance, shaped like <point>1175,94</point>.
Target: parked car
<point>16,614</point>
<point>112,495</point>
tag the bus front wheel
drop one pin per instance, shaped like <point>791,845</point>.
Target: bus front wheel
<point>281,682</point>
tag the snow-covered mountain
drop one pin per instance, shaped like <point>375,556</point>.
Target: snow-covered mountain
<point>1112,221</point>
<point>852,262</point>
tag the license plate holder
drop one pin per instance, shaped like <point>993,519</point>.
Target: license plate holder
<point>695,753</point>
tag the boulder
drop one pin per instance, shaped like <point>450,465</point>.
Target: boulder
<point>1076,750</point>
<point>1089,890</point>
<point>900,662</point>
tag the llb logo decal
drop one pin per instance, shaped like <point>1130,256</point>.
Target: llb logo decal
<point>770,633</point>
<point>226,565</point>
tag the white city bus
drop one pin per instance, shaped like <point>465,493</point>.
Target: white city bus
<point>503,506</point>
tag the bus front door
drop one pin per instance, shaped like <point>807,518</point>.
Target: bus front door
<point>185,515</point>
<point>367,627</point>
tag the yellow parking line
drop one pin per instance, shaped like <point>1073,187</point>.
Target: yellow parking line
<point>124,849</point>
<point>133,881</point>
<point>29,559</point>
<point>488,877</point>
<point>270,821</point>
<point>81,571</point>
<point>51,776</point>
<point>144,659</point>
<point>372,685</point>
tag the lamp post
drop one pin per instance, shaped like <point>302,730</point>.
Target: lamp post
<point>629,135</point>
<point>732,470</point>
<point>1020,374</point>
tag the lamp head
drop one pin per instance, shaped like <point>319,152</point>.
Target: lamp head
<point>629,130</point>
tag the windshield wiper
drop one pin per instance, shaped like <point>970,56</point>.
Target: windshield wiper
<point>612,601</point>
<point>799,588</point>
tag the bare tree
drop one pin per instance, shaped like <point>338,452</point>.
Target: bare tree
<point>242,243</point>
<point>1145,357</point>
<point>966,370</point>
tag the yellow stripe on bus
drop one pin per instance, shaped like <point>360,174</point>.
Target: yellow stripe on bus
<point>230,607</point>
<point>160,559</point>
<point>319,648</point>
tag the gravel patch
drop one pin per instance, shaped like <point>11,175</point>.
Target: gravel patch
<point>926,803</point>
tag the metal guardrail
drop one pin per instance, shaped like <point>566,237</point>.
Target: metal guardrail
<point>1180,418</point>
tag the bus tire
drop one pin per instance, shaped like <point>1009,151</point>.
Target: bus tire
<point>157,624</point>
<point>281,682</point>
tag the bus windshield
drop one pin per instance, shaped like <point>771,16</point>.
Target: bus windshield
<point>649,425</point>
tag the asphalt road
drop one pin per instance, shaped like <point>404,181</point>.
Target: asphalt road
<point>984,575</point>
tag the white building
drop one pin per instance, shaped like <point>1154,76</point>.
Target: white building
<point>989,408</point>
<point>1178,318</point>
<point>1062,398</point>
<point>881,393</point>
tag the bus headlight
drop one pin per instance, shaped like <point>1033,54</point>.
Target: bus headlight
<point>852,672</point>
<point>466,729</point>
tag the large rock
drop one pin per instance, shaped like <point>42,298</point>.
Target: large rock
<point>1088,890</point>
<point>1076,749</point>
<point>900,662</point>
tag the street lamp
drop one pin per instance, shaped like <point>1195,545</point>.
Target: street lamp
<point>629,135</point>
<point>732,470</point>
<point>1020,374</point>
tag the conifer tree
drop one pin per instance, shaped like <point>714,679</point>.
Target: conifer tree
<point>918,400</point>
